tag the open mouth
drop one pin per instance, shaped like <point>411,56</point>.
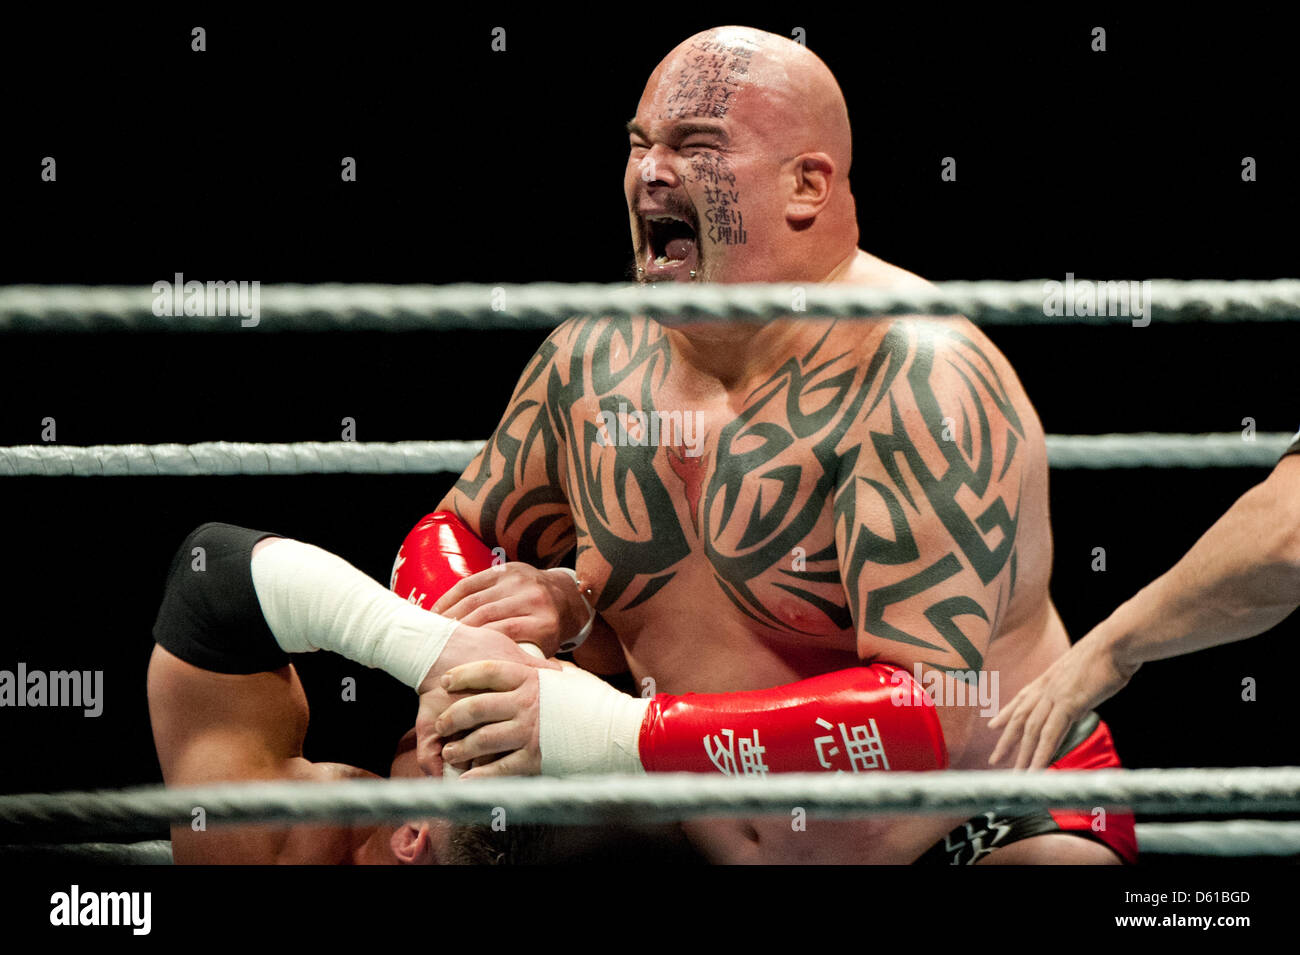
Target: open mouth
<point>672,245</point>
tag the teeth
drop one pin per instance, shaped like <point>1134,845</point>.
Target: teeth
<point>664,260</point>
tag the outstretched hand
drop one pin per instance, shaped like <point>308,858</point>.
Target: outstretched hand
<point>1036,720</point>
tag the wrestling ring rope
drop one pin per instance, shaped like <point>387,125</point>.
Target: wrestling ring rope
<point>667,797</point>
<point>215,458</point>
<point>34,822</point>
<point>323,308</point>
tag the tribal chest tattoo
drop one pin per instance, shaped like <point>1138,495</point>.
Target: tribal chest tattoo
<point>870,492</point>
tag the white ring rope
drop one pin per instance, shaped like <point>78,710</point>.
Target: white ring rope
<point>152,852</point>
<point>656,798</point>
<point>326,307</point>
<point>1236,837</point>
<point>1148,450</point>
<point>216,458</point>
<point>231,458</point>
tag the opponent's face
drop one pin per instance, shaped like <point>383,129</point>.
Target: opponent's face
<point>702,181</point>
<point>421,841</point>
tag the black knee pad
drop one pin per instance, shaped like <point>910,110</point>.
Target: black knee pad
<point>210,616</point>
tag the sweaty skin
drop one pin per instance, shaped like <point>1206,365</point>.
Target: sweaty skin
<point>843,491</point>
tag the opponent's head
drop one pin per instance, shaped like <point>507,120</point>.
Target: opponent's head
<point>739,162</point>
<point>439,842</point>
<point>419,842</point>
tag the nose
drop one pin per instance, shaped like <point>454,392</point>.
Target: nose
<point>656,169</point>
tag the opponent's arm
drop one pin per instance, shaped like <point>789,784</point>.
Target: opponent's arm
<point>220,727</point>
<point>246,723</point>
<point>239,601</point>
<point>1240,579</point>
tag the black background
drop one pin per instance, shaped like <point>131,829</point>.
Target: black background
<point>475,166</point>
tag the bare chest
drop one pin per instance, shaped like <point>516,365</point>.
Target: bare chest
<point>717,510</point>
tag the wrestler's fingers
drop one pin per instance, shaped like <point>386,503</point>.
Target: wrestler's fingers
<point>464,608</point>
<point>499,676</point>
<point>1001,718</point>
<point>1013,718</point>
<point>487,741</point>
<point>1010,736</point>
<point>1049,738</point>
<point>1033,726</point>
<point>494,608</point>
<point>512,764</point>
<point>475,711</point>
<point>463,588</point>
<point>496,675</point>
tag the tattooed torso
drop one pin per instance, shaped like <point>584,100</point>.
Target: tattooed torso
<point>880,495</point>
<point>733,539</point>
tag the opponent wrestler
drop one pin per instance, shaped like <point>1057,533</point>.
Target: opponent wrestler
<point>226,703</point>
<point>788,519</point>
<point>1240,579</point>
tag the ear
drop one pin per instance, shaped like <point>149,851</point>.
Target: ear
<point>412,845</point>
<point>813,175</point>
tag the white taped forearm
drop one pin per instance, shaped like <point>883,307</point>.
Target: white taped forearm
<point>315,600</point>
<point>587,726</point>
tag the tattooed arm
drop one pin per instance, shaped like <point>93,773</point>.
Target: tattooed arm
<point>927,507</point>
<point>512,494</point>
<point>512,497</point>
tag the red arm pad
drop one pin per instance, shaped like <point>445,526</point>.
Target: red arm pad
<point>440,551</point>
<point>865,718</point>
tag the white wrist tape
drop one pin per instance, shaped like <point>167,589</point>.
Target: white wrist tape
<point>573,643</point>
<point>587,726</point>
<point>315,600</point>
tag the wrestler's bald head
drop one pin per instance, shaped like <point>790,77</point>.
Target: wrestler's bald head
<point>778,88</point>
<point>739,162</point>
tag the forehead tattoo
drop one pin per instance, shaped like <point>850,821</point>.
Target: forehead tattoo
<point>708,77</point>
